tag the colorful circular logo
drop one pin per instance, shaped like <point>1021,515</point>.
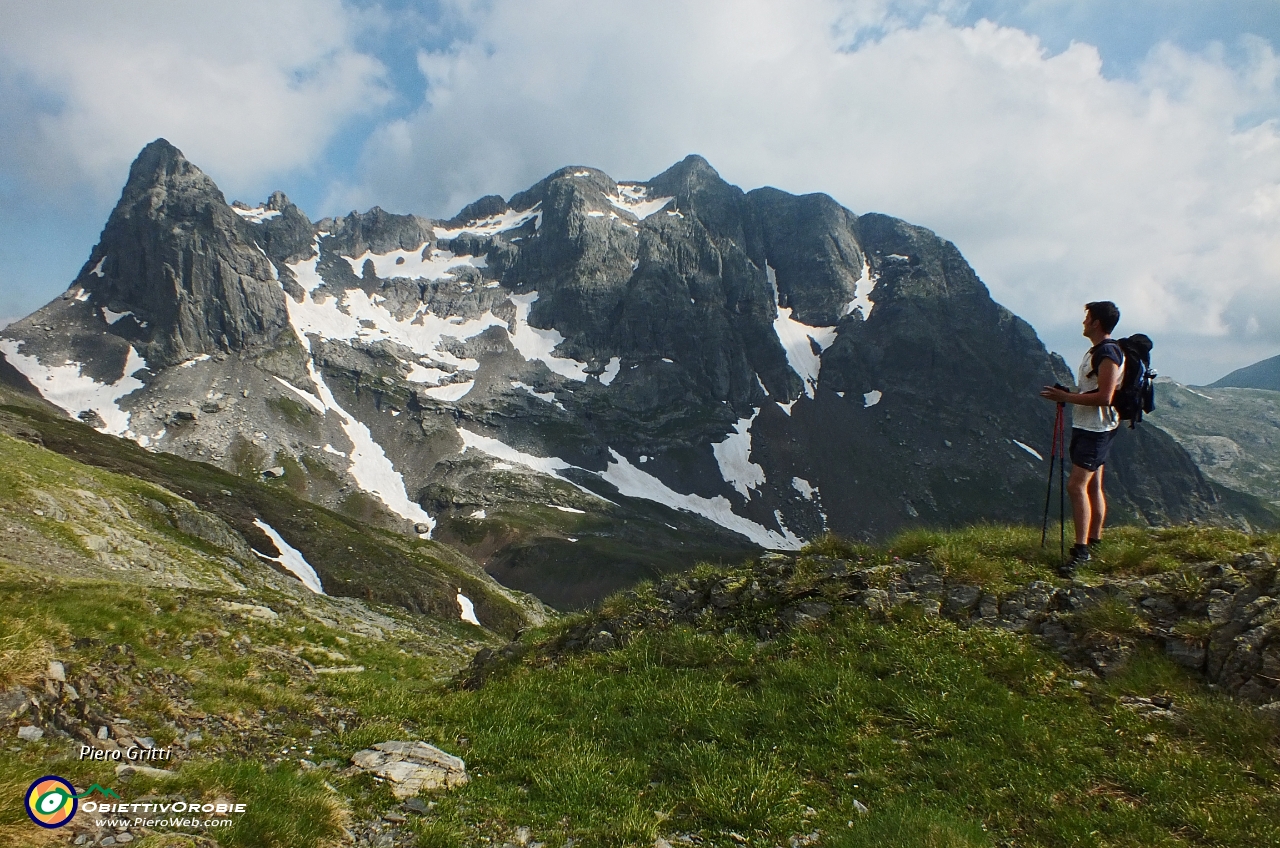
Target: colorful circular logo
<point>51,801</point>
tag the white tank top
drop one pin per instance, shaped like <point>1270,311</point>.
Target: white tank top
<point>1098,419</point>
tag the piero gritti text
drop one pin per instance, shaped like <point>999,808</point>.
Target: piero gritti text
<point>133,753</point>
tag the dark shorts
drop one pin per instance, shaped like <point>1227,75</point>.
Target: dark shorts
<point>1089,449</point>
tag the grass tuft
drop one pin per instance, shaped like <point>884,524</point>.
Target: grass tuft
<point>26,647</point>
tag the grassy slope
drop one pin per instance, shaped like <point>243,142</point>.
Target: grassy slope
<point>141,616</point>
<point>352,558</point>
<point>949,737</point>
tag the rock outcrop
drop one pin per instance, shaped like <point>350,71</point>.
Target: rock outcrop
<point>411,767</point>
<point>1220,620</point>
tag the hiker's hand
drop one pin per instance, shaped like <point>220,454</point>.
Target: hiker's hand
<point>1055,394</point>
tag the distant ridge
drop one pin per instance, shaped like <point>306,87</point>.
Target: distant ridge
<point>1259,375</point>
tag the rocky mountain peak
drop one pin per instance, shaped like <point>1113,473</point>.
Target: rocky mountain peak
<point>159,163</point>
<point>379,231</point>
<point>181,266</point>
<point>278,202</point>
<point>692,170</point>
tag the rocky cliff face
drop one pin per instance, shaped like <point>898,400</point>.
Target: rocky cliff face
<point>589,382</point>
<point>181,266</point>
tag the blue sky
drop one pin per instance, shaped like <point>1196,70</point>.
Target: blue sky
<point>1072,150</point>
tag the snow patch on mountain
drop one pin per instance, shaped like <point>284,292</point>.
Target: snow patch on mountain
<point>450,392</point>
<point>534,343</point>
<point>734,458</point>
<point>68,388</point>
<point>862,292</point>
<point>305,271</point>
<point>798,340</point>
<point>291,559</point>
<point>97,269</point>
<point>509,220</point>
<point>312,400</point>
<point>634,198</point>
<point>429,376</point>
<point>871,398</point>
<point>633,482</point>
<point>468,609</point>
<point>257,214</point>
<point>549,397</point>
<point>357,315</point>
<point>611,370</point>
<point>803,486</point>
<point>1029,450</point>
<point>421,263</point>
<point>370,467</point>
<point>549,465</point>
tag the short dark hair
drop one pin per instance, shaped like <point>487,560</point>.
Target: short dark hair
<point>1105,313</point>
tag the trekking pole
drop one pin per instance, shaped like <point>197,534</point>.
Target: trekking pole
<point>1062,485</point>
<point>1048,489</point>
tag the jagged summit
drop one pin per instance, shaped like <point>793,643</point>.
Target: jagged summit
<point>692,170</point>
<point>175,261</point>
<point>158,162</point>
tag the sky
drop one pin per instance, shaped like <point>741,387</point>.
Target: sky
<point>1073,150</point>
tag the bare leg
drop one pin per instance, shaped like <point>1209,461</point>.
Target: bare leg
<point>1078,485</point>
<point>1097,505</point>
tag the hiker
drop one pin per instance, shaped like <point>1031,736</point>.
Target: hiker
<point>1093,425</point>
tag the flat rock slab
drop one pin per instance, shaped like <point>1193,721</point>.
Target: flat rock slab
<point>411,767</point>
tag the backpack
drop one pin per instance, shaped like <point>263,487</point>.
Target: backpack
<point>1136,393</point>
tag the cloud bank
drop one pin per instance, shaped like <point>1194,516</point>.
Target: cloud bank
<point>1161,191</point>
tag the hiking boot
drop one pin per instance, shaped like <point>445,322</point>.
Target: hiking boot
<point>1079,556</point>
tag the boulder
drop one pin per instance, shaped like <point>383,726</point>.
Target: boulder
<point>411,767</point>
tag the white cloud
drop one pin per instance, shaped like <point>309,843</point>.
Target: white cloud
<point>246,89</point>
<point>1060,185</point>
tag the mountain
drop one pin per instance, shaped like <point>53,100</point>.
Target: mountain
<point>1259,375</point>
<point>1232,434</point>
<point>585,384</point>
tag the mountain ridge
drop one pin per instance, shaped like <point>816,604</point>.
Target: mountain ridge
<point>1264,374</point>
<point>721,368</point>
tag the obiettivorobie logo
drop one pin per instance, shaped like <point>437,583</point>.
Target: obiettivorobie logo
<point>52,801</point>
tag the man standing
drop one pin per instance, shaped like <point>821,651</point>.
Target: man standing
<point>1093,426</point>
